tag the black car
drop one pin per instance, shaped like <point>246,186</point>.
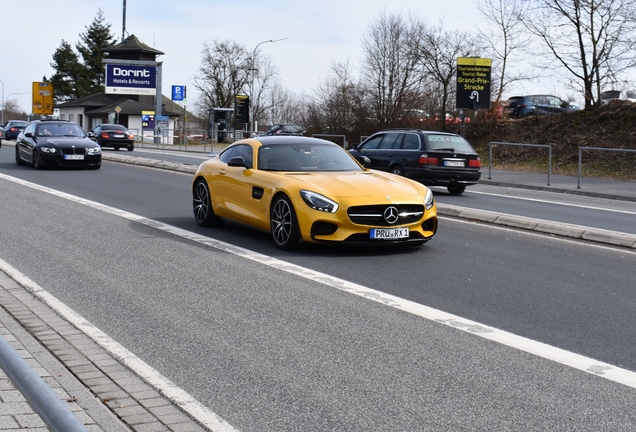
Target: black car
<point>59,143</point>
<point>286,129</point>
<point>113,135</point>
<point>431,157</point>
<point>12,128</point>
<point>1,135</point>
<point>524,106</point>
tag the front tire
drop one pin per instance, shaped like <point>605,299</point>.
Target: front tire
<point>37,163</point>
<point>18,160</point>
<point>284,224</point>
<point>202,205</point>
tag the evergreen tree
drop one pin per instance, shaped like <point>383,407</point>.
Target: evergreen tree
<point>77,76</point>
<point>69,73</point>
<point>96,37</point>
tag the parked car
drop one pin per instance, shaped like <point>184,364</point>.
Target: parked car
<point>57,143</point>
<point>523,106</point>
<point>12,128</point>
<point>430,157</point>
<point>113,135</point>
<point>302,189</point>
<point>285,129</point>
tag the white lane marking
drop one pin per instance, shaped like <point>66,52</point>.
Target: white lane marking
<point>543,201</point>
<point>558,355</point>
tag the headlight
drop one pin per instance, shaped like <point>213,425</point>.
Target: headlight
<point>94,150</point>
<point>319,202</point>
<point>429,199</point>
<point>49,150</point>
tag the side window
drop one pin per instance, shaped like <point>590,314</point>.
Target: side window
<point>227,154</point>
<point>30,128</point>
<point>391,141</point>
<point>373,143</point>
<point>411,142</point>
<point>239,150</point>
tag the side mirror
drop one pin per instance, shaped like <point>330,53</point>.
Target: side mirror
<point>364,161</point>
<point>237,161</point>
<point>29,134</point>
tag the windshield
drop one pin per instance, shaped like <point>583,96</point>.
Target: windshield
<point>449,142</point>
<point>59,129</point>
<point>305,158</point>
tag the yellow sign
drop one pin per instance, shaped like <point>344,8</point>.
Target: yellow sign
<point>42,98</point>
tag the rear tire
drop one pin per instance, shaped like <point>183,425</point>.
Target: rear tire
<point>456,190</point>
<point>284,224</point>
<point>397,170</point>
<point>202,205</point>
<point>131,147</point>
<point>18,160</point>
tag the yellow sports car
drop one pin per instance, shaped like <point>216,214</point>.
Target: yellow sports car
<point>303,189</point>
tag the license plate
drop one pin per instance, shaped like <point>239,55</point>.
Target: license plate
<point>119,136</point>
<point>454,163</point>
<point>389,233</point>
<point>74,157</point>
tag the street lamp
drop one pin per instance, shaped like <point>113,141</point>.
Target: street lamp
<point>253,71</point>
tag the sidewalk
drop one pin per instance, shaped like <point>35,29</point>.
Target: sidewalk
<point>103,394</point>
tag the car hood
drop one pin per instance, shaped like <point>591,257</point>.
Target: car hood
<point>358,184</point>
<point>67,141</point>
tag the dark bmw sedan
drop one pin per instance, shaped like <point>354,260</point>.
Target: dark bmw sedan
<point>430,157</point>
<point>58,143</point>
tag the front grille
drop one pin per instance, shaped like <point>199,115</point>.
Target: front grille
<point>69,150</point>
<point>374,215</point>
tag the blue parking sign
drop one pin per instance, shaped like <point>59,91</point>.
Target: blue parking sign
<point>178,92</point>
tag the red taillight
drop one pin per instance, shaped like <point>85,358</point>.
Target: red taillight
<point>426,160</point>
<point>131,136</point>
<point>475,163</point>
<point>105,135</point>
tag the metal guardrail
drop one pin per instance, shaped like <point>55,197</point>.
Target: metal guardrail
<point>53,412</point>
<point>578,184</point>
<point>548,146</point>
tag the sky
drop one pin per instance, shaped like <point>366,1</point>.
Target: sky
<point>316,34</point>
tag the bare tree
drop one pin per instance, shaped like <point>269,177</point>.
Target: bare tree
<point>389,71</point>
<point>507,36</point>
<point>223,73</point>
<point>593,40</point>
<point>338,106</point>
<point>438,51</point>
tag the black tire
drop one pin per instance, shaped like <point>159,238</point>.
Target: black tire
<point>37,163</point>
<point>397,170</point>
<point>116,148</point>
<point>17,156</point>
<point>202,205</point>
<point>283,224</point>
<point>456,190</point>
<point>131,147</point>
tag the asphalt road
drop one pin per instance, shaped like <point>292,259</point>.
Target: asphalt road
<point>269,344</point>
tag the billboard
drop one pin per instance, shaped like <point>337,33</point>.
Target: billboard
<point>473,83</point>
<point>131,79</point>
<point>42,98</point>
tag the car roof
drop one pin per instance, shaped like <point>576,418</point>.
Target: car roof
<point>423,131</point>
<point>286,140</point>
